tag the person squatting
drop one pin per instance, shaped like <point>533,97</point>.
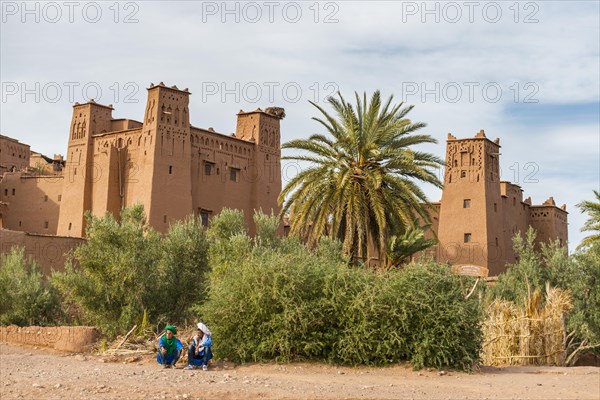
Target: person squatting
<point>170,348</point>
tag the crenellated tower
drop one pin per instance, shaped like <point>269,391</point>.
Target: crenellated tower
<point>470,215</point>
<point>163,179</point>
<point>80,173</point>
<point>263,129</point>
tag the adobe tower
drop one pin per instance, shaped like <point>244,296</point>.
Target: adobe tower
<point>469,216</point>
<point>480,214</point>
<point>164,186</point>
<point>263,129</point>
<point>88,120</point>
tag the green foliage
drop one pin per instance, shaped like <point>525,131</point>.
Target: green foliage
<point>592,208</point>
<point>227,224</point>
<point>26,298</point>
<point>363,175</point>
<point>584,283</point>
<point>114,274</point>
<point>402,247</point>
<point>417,314</point>
<point>126,269</point>
<point>183,268</point>
<point>266,229</point>
<point>285,302</point>
<point>528,272</point>
<point>229,244</point>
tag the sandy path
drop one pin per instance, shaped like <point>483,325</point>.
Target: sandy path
<point>30,373</point>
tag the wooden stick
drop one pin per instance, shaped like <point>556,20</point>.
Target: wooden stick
<point>126,337</point>
<point>472,290</point>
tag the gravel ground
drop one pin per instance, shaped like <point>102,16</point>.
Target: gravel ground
<point>36,373</point>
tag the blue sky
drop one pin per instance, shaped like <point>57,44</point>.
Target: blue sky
<point>526,72</point>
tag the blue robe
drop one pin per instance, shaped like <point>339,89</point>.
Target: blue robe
<point>204,355</point>
<point>169,358</point>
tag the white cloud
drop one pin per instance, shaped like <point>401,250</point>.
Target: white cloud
<point>371,47</point>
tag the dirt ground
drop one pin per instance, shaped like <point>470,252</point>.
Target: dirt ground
<point>36,373</point>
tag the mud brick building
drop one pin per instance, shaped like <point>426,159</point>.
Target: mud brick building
<point>172,168</point>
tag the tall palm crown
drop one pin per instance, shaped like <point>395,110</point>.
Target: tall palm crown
<point>592,208</point>
<point>361,182</point>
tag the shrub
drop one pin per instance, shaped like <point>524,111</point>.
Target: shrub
<point>126,269</point>
<point>283,302</point>
<point>267,306</point>
<point>417,314</point>
<point>26,298</point>
<point>584,319</point>
<point>183,269</point>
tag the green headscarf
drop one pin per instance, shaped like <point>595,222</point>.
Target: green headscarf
<point>170,344</point>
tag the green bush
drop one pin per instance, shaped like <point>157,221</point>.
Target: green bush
<point>283,302</point>
<point>26,298</point>
<point>417,314</point>
<point>183,269</point>
<point>126,269</point>
<point>584,319</point>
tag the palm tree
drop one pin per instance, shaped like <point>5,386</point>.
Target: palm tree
<point>403,247</point>
<point>593,223</point>
<point>361,182</point>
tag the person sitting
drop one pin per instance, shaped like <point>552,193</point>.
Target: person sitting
<point>169,348</point>
<point>199,352</point>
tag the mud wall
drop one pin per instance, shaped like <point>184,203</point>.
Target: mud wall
<point>47,250</point>
<point>64,338</point>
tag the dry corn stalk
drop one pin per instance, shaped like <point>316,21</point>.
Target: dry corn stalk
<point>533,334</point>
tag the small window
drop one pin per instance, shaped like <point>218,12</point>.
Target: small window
<point>204,217</point>
<point>208,168</point>
<point>233,174</point>
<point>463,174</point>
<point>46,225</point>
<point>467,237</point>
<point>467,203</point>
<point>74,171</point>
<point>45,198</point>
<point>165,219</point>
<point>59,197</point>
<point>69,226</point>
<point>495,207</point>
<point>514,201</point>
<point>496,242</point>
<point>6,192</point>
<point>14,191</point>
<point>19,223</point>
<point>170,169</point>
